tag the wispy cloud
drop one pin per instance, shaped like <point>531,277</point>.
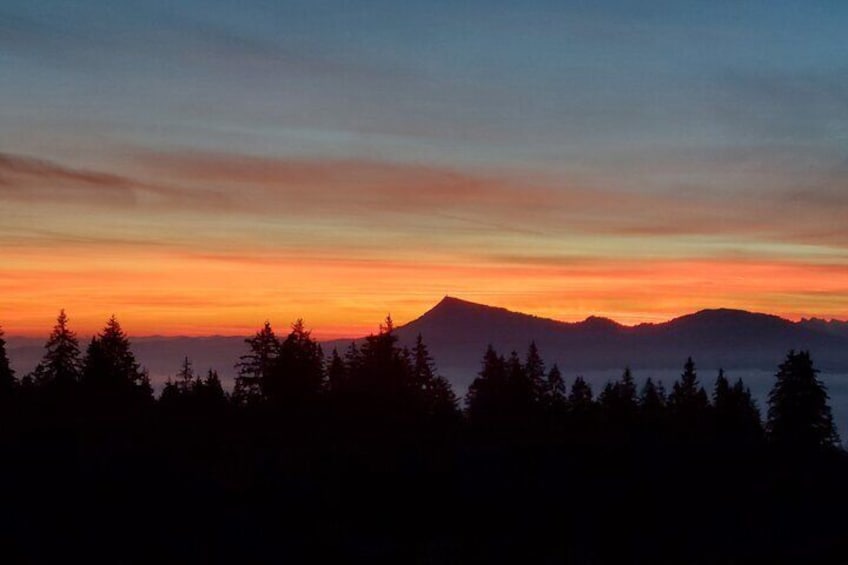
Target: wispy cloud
<point>467,207</point>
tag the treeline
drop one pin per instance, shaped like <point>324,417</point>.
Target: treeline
<point>368,454</point>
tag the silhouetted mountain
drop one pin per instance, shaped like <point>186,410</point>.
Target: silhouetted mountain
<point>835,327</point>
<point>458,332</point>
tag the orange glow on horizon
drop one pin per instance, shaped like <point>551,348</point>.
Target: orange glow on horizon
<point>186,294</point>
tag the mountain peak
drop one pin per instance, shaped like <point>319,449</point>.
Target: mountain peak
<point>452,306</point>
<point>599,322</point>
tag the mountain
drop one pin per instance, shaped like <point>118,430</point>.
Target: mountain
<point>835,327</point>
<point>458,332</point>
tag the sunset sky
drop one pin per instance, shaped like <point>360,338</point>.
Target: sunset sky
<point>199,167</point>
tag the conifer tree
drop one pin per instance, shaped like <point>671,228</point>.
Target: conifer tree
<point>799,416</point>
<point>580,399</point>
<point>687,395</point>
<point>185,376</point>
<point>486,395</point>
<point>61,365</point>
<point>297,374</point>
<point>336,372</point>
<point>555,387</point>
<point>110,366</point>
<point>652,398</point>
<point>722,401</point>
<point>424,368</point>
<point>534,370</point>
<point>437,395</point>
<point>257,365</point>
<point>7,375</point>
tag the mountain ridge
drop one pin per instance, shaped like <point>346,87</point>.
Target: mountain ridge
<point>458,331</point>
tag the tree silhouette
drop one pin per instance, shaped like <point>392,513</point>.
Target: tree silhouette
<point>61,366</point>
<point>110,368</point>
<point>257,366</point>
<point>555,387</point>
<point>380,373</point>
<point>721,393</point>
<point>211,388</point>
<point>652,399</point>
<point>336,372</point>
<point>297,373</point>
<point>7,375</point>
<point>487,396</point>
<point>534,370</point>
<point>580,399</point>
<point>619,398</point>
<point>436,392</point>
<point>735,413</point>
<point>799,416</point>
<point>687,396</point>
<point>185,376</point>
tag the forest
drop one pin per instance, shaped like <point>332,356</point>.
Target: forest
<point>367,455</point>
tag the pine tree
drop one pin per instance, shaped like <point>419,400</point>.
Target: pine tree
<point>61,365</point>
<point>110,366</point>
<point>687,396</point>
<point>424,368</point>
<point>627,390</point>
<point>297,374</point>
<point>580,399</point>
<point>652,398</point>
<point>442,400</point>
<point>619,398</point>
<point>746,415</point>
<point>722,401</point>
<point>555,387</point>
<point>7,375</point>
<point>799,416</point>
<point>437,396</point>
<point>185,376</point>
<point>336,372</point>
<point>487,394</point>
<point>256,366</point>
<point>534,370</point>
<point>210,391</point>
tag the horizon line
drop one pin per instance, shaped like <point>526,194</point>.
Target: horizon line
<point>448,297</point>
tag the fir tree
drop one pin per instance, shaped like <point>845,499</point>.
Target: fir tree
<point>652,398</point>
<point>580,399</point>
<point>297,374</point>
<point>687,396</point>
<point>487,393</point>
<point>534,370</point>
<point>7,375</point>
<point>256,366</point>
<point>799,416</point>
<point>110,366</point>
<point>61,365</point>
<point>336,372</point>
<point>555,387</point>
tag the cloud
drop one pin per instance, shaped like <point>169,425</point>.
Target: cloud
<point>423,204</point>
<point>29,180</point>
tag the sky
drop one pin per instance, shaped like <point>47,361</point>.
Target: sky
<point>199,167</point>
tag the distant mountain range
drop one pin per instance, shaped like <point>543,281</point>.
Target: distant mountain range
<point>458,332</point>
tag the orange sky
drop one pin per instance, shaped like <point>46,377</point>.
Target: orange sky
<point>193,294</point>
<point>195,243</point>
